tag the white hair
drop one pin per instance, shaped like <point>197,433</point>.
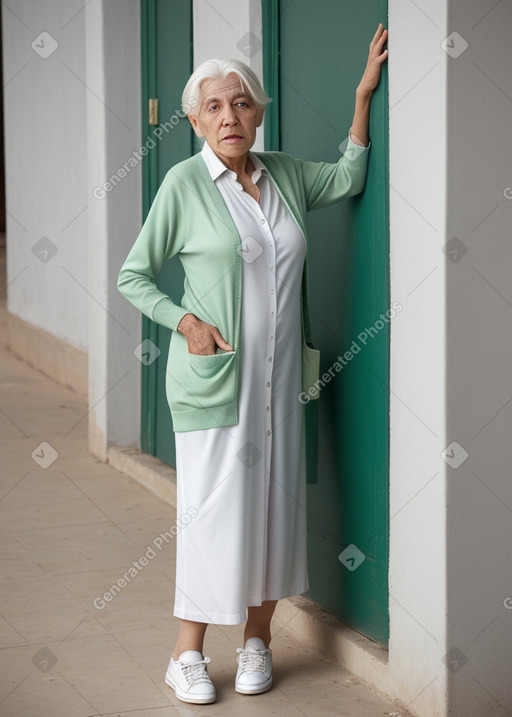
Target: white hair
<point>220,69</point>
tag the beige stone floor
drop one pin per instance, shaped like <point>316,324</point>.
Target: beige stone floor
<point>68,531</point>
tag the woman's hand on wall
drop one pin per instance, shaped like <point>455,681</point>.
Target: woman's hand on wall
<point>376,57</point>
<point>202,338</point>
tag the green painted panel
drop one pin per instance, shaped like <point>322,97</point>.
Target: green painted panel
<point>166,66</point>
<point>321,58</point>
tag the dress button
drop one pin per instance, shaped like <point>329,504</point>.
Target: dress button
<point>270,359</point>
<point>268,383</point>
<point>271,338</point>
<point>271,313</point>
<point>268,433</point>
<point>268,408</point>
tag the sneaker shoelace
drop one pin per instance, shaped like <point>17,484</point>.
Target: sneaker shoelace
<point>195,671</point>
<point>253,660</point>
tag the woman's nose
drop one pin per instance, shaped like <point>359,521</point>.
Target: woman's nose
<point>229,116</point>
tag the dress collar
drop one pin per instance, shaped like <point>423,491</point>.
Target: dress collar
<point>216,166</point>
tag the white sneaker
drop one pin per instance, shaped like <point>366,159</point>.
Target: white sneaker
<point>189,678</point>
<point>254,674</point>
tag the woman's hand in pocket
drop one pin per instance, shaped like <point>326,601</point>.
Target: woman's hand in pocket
<point>202,338</point>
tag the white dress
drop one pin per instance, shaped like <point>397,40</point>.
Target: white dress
<point>248,541</point>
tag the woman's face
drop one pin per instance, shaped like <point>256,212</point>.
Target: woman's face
<point>227,117</point>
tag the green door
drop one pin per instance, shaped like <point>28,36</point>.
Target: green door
<point>167,62</point>
<point>313,61</point>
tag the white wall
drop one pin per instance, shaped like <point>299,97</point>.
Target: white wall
<point>72,119</point>
<point>115,218</point>
<point>46,166</point>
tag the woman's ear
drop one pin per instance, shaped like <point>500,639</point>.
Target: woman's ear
<point>195,124</point>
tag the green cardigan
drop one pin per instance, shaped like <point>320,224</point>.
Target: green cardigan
<point>189,218</point>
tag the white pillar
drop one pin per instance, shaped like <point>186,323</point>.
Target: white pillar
<point>113,82</point>
<point>451,211</point>
<point>417,68</point>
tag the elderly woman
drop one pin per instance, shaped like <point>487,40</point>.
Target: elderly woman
<point>239,359</point>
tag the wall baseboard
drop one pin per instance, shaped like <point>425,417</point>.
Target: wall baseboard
<point>46,352</point>
<point>149,471</point>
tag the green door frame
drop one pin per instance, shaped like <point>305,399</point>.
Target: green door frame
<point>150,184</point>
<point>149,189</point>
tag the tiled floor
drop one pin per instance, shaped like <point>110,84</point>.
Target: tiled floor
<point>69,530</point>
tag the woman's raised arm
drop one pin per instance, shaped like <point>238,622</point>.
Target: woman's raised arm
<point>369,81</point>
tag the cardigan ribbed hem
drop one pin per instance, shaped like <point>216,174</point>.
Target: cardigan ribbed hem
<point>198,418</point>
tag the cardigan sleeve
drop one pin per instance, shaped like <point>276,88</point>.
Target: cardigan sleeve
<point>326,183</point>
<point>160,238</point>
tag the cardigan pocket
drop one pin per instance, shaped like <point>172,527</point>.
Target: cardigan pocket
<point>310,370</point>
<point>210,379</point>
